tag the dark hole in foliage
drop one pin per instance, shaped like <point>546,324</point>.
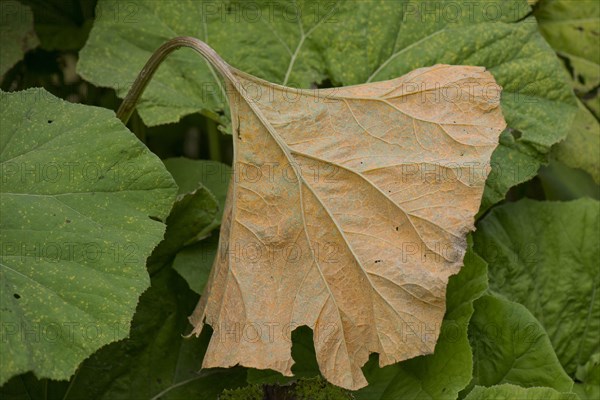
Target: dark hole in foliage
<point>568,64</point>
<point>516,133</point>
<point>579,28</point>
<point>155,218</point>
<point>17,296</point>
<point>326,84</point>
<point>581,79</point>
<point>592,94</point>
<point>68,221</point>
<point>50,121</point>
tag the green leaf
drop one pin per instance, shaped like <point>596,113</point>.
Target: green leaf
<point>194,262</point>
<point>183,85</point>
<point>510,392</point>
<point>155,361</point>
<point>193,217</point>
<point>572,29</point>
<point>580,148</point>
<point>444,373</point>
<point>545,255</point>
<point>16,31</point>
<point>78,198</point>
<point>199,206</point>
<point>192,174</point>
<point>510,346</point>
<point>589,376</point>
<point>65,25</point>
<point>202,191</point>
<point>560,182</point>
<point>302,43</point>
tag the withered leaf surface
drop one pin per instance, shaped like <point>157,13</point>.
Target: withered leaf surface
<point>348,212</point>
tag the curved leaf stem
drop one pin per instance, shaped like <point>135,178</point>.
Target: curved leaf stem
<point>157,58</point>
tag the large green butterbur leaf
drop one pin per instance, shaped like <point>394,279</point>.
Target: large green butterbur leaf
<point>510,346</point>
<point>81,203</point>
<point>545,255</point>
<point>302,43</point>
<point>154,362</point>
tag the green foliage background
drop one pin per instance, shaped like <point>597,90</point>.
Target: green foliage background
<point>523,315</point>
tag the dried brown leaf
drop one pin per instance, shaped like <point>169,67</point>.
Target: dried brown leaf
<point>348,213</point>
